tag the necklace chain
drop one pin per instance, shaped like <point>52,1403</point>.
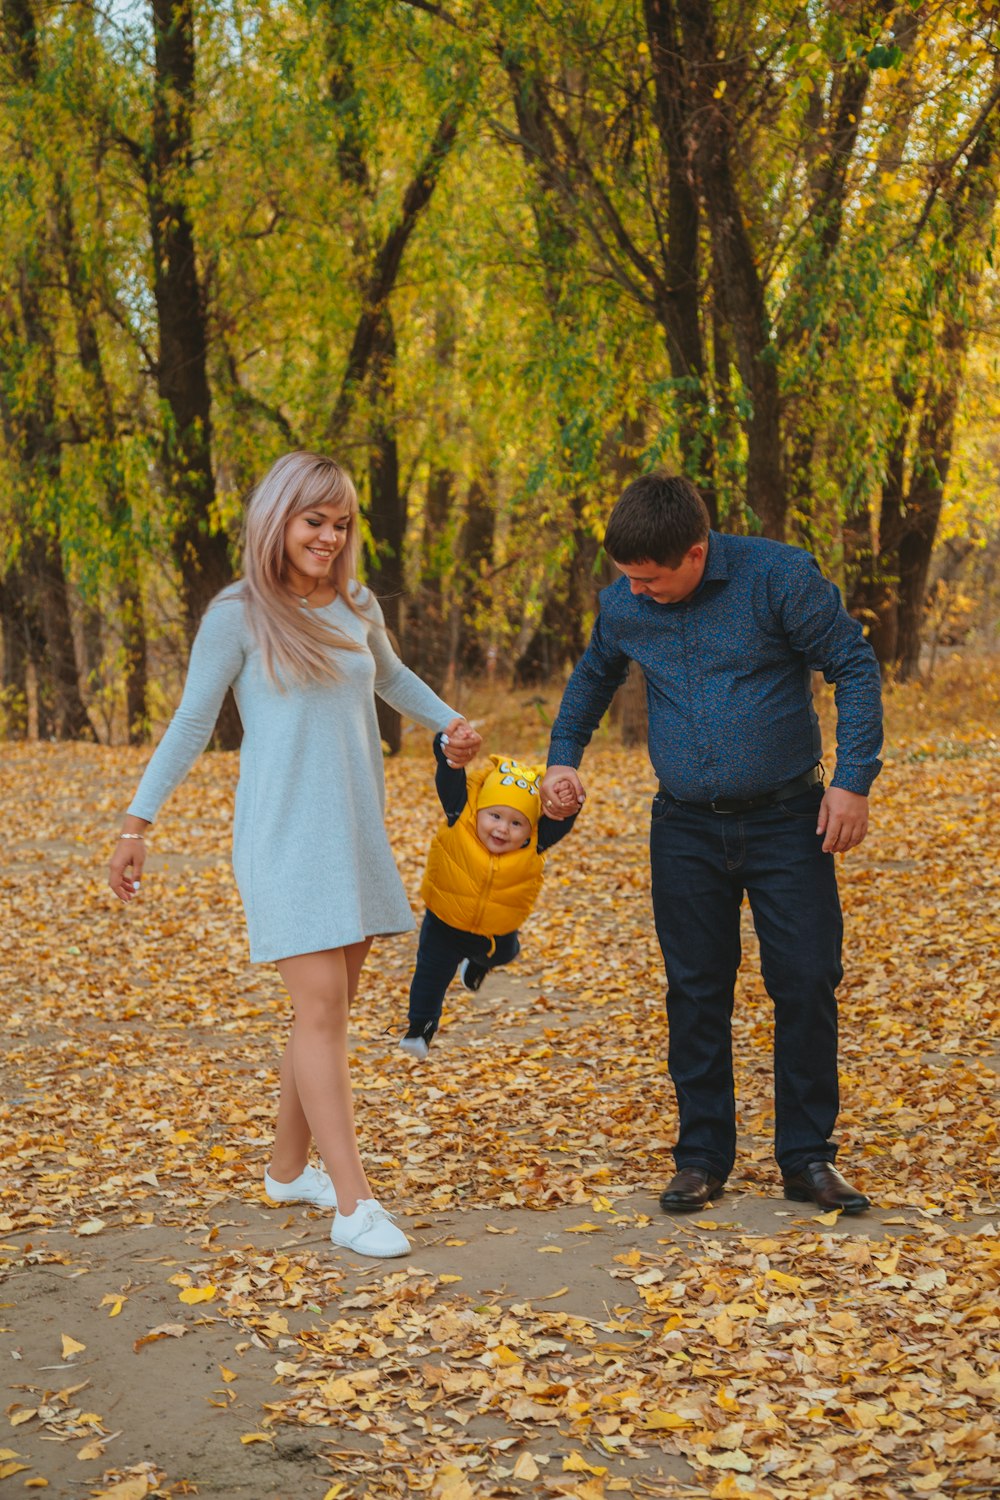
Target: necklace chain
<point>304,598</point>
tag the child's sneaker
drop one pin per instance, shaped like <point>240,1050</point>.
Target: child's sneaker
<point>471,975</point>
<point>311,1186</point>
<point>369,1230</point>
<point>417,1041</point>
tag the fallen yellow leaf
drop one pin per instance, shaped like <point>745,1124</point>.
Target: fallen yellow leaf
<point>505,1356</point>
<point>193,1294</point>
<point>164,1331</point>
<point>71,1346</point>
<point>577,1464</point>
<point>665,1420</point>
<point>136,1487</point>
<point>786,1282</point>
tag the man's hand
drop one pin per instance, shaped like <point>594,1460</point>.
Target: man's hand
<point>562,792</point>
<point>461,743</point>
<point>843,818</point>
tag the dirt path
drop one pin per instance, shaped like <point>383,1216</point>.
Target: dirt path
<point>166,1333</point>
<point>172,1407</point>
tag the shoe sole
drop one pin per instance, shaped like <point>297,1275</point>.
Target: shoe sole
<point>796,1195</point>
<point>689,1208</point>
<point>371,1254</point>
<point>270,1202</point>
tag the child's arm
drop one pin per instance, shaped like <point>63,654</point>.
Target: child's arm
<point>551,830</point>
<point>450,783</point>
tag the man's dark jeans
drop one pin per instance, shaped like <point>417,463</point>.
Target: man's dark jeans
<point>439,952</point>
<point>702,862</point>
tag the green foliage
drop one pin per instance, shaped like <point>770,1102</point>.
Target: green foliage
<point>533,310</point>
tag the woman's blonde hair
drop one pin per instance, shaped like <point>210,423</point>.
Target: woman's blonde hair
<point>295,642</point>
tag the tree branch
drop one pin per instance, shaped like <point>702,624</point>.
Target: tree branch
<point>385,268</point>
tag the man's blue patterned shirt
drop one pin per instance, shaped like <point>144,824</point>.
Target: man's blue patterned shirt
<point>727,671</point>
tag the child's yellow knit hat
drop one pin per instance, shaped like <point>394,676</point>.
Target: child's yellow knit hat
<point>510,784</point>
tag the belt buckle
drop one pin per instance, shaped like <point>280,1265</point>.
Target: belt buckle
<point>722,812</point>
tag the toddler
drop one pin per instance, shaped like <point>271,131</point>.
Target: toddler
<point>484,873</point>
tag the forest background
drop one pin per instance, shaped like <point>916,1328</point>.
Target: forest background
<point>498,257</point>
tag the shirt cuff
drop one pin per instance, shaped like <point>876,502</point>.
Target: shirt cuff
<point>855,776</point>
<point>564,753</point>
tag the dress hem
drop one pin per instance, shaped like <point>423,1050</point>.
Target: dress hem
<point>274,958</point>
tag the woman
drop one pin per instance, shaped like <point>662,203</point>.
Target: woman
<point>303,645</point>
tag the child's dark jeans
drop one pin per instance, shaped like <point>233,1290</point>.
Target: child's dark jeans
<point>440,951</point>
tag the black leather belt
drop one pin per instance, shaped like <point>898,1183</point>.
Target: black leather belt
<point>753,804</point>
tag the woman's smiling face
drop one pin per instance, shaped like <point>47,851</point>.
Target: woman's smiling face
<point>313,539</point>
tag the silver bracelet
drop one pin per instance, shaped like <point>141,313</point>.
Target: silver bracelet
<point>141,836</point>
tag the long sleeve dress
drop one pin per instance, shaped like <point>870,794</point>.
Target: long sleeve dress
<point>310,850</point>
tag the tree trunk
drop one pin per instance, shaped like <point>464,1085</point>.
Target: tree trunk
<point>428,624</point>
<point>387,508</point>
<point>124,562</point>
<point>737,279</point>
<point>559,634</point>
<point>909,518</point>
<point>931,464</point>
<point>838,135</point>
<point>384,272</point>
<point>14,632</point>
<point>476,553</point>
<point>200,551</point>
<point>32,432</point>
<point>679,303</point>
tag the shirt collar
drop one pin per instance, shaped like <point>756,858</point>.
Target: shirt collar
<point>716,563</point>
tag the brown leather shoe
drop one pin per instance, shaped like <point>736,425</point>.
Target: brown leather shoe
<point>692,1188</point>
<point>821,1183</point>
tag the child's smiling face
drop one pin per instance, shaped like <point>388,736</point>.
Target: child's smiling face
<point>502,829</point>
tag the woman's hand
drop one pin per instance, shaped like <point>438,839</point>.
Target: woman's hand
<point>127,862</point>
<point>462,743</point>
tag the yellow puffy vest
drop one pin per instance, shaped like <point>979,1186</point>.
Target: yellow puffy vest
<point>470,888</point>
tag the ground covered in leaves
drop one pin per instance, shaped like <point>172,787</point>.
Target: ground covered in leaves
<point>553,1333</point>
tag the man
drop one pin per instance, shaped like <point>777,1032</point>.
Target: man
<point>727,630</point>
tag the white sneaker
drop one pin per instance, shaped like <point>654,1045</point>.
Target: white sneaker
<point>415,1046</point>
<point>369,1230</point>
<point>311,1186</point>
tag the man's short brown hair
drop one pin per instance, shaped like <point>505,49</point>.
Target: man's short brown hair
<point>658,519</point>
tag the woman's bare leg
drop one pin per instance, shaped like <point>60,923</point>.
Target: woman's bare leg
<point>316,1099</point>
<point>292,1135</point>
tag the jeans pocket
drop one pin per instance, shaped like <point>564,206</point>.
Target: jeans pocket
<point>663,807</point>
<point>804,806</point>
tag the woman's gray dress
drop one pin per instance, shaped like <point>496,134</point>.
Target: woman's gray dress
<point>310,851</point>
